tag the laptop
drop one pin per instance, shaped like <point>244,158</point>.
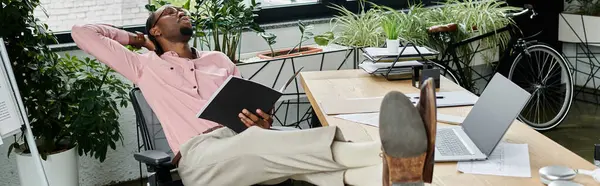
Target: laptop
<point>481,131</point>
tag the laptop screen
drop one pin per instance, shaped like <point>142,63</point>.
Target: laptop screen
<point>497,108</point>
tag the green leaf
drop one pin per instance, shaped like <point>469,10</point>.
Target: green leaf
<point>187,5</point>
<point>10,149</point>
<point>44,155</point>
<point>150,7</point>
<point>324,38</point>
<point>112,145</point>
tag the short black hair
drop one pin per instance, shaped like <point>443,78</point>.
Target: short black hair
<point>158,49</point>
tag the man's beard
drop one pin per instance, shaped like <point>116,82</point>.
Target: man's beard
<point>185,31</point>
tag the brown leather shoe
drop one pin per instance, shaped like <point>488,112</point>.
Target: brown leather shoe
<point>403,139</point>
<point>428,111</point>
<point>407,134</point>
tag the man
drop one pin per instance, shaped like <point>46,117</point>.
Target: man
<point>177,80</point>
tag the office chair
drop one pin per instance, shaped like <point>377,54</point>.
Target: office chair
<point>157,154</point>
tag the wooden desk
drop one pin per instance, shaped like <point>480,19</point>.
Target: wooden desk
<point>356,84</point>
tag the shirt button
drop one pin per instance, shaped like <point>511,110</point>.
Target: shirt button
<point>192,69</point>
<point>194,87</point>
<point>171,68</point>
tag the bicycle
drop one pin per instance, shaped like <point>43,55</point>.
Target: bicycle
<point>536,67</point>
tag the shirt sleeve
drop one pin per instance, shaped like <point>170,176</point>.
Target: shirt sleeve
<point>106,43</point>
<point>236,71</point>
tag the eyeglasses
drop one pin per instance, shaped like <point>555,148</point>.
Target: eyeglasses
<point>173,11</point>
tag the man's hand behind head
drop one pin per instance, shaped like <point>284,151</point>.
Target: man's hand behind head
<point>139,40</point>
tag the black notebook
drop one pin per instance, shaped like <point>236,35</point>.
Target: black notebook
<point>236,94</point>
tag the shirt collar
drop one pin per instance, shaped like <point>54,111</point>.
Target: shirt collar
<point>174,54</point>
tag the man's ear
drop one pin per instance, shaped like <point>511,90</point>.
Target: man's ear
<point>155,31</point>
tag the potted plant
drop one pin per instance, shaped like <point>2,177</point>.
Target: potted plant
<point>391,27</point>
<point>580,22</point>
<point>86,120</point>
<point>362,29</point>
<point>71,103</point>
<point>298,49</point>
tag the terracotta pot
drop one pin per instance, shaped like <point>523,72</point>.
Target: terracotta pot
<point>284,53</point>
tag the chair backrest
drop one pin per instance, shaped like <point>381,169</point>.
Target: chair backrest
<point>150,129</point>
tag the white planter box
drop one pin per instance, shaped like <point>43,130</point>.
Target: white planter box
<point>574,28</point>
<point>61,169</point>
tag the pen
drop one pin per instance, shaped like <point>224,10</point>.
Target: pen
<point>437,97</point>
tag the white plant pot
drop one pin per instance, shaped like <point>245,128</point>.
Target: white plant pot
<point>61,169</point>
<point>570,26</point>
<point>392,46</point>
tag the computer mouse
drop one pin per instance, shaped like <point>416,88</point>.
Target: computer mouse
<point>564,183</point>
<point>549,174</point>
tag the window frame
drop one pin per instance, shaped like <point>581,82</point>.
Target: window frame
<point>273,15</point>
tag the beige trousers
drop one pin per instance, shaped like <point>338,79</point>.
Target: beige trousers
<point>259,156</point>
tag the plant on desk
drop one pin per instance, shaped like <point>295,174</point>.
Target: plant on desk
<point>472,19</point>
<point>298,49</point>
<point>362,29</point>
<point>391,26</point>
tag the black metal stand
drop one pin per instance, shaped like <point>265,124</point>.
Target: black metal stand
<point>301,116</point>
<point>583,51</point>
<point>392,70</point>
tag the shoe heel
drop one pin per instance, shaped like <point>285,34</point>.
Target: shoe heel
<point>405,170</point>
<point>403,139</point>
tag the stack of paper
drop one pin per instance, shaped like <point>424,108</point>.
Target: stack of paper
<point>506,160</point>
<point>371,67</point>
<point>408,51</point>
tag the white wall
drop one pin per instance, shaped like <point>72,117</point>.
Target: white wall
<point>63,14</point>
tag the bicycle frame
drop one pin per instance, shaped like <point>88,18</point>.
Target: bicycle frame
<point>516,44</point>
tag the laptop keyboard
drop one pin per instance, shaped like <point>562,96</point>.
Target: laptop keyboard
<point>448,143</point>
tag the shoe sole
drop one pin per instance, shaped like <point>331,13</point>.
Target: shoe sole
<point>403,139</point>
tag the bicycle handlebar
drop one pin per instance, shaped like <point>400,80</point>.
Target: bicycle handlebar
<point>528,8</point>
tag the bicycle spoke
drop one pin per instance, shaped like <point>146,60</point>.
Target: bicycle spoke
<point>538,65</point>
<point>558,99</point>
<point>537,103</point>
<point>551,67</point>
<point>555,108</point>
<point>529,110</point>
<point>558,103</point>
<point>530,66</point>
<point>525,78</point>
<point>549,104</point>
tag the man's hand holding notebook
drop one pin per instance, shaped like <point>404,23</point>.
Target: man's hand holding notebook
<point>236,95</point>
<point>262,119</point>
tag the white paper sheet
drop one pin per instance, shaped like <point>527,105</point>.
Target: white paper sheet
<point>0,140</point>
<point>507,160</point>
<point>445,99</point>
<point>373,118</point>
<point>363,118</point>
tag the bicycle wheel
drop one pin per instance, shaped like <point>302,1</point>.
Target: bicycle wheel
<point>543,72</point>
<point>447,72</point>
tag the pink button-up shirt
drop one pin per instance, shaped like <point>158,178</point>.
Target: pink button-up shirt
<point>175,88</point>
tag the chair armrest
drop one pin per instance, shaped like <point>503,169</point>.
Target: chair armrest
<point>281,128</point>
<point>152,157</point>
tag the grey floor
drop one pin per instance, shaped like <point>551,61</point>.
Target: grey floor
<point>578,133</point>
